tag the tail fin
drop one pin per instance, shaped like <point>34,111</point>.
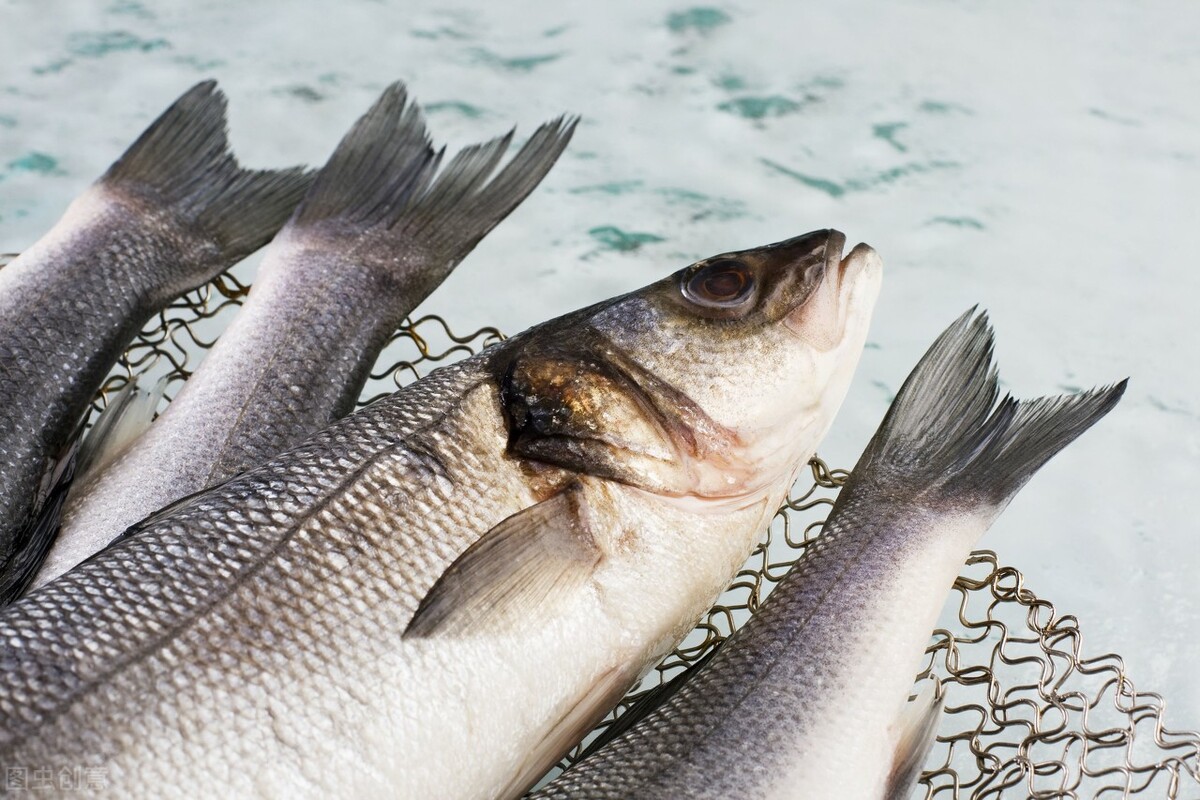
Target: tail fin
<point>379,187</point>
<point>184,159</point>
<point>945,429</point>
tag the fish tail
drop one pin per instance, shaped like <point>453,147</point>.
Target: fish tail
<point>946,434</point>
<point>183,162</point>
<point>382,186</point>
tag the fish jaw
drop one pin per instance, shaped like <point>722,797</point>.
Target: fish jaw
<point>703,398</point>
<point>834,324</point>
<point>830,331</point>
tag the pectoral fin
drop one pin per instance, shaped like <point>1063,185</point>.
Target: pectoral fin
<point>570,728</point>
<point>35,538</point>
<point>915,733</point>
<point>124,419</point>
<point>526,562</point>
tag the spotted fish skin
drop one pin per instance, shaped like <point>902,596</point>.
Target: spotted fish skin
<point>378,231</point>
<point>483,562</point>
<point>173,212</point>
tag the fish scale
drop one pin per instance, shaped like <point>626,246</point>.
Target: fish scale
<point>379,230</point>
<point>261,638</point>
<point>170,214</point>
<point>45,372</point>
<point>805,699</point>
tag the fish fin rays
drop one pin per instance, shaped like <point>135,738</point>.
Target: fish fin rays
<point>183,158</point>
<point>127,415</point>
<point>384,160</point>
<point>463,205</point>
<point>946,430</point>
<point>647,704</point>
<point>34,540</point>
<point>382,192</point>
<point>915,733</point>
<point>527,561</point>
<point>124,419</point>
<point>601,697</point>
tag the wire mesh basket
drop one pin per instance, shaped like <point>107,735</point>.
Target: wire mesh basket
<point>1027,712</point>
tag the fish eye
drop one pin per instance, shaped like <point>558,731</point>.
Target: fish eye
<point>724,284</point>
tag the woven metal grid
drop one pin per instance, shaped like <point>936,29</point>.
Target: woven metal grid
<point>1027,712</point>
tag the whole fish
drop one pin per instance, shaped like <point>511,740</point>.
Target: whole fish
<point>171,213</point>
<point>437,595</point>
<point>806,699</point>
<point>376,233</point>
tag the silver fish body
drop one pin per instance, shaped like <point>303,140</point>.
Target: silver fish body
<point>377,232</point>
<point>805,700</point>
<point>174,211</point>
<point>439,594</point>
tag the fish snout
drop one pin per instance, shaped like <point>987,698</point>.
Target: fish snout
<point>834,296</point>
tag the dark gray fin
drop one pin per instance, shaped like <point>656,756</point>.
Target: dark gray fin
<point>33,541</point>
<point>916,733</point>
<point>7,258</point>
<point>463,206</point>
<point>384,161</point>
<point>383,180</point>
<point>646,705</point>
<point>183,160</point>
<point>528,561</point>
<point>601,696</point>
<point>945,433</point>
<point>124,419</point>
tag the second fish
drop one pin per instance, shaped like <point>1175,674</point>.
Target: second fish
<point>374,236</point>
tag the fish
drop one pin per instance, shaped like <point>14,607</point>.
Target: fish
<point>378,231</point>
<point>173,212</point>
<point>807,699</point>
<point>438,594</point>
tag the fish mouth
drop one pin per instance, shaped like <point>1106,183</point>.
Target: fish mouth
<point>840,266</point>
<point>822,315</point>
<point>835,244</point>
<point>861,258</point>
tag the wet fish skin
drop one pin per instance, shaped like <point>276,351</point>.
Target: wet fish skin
<point>378,231</point>
<point>171,213</point>
<point>805,699</point>
<point>305,629</point>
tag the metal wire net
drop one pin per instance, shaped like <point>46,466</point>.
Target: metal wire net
<point>1027,712</point>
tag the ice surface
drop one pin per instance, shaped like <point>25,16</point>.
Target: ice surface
<point>1042,160</point>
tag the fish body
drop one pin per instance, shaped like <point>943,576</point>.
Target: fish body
<point>439,594</point>
<point>377,232</point>
<point>173,212</point>
<point>806,699</point>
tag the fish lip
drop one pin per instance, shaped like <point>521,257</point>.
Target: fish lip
<point>807,264</point>
<point>830,300</point>
<point>835,245</point>
<point>860,258</point>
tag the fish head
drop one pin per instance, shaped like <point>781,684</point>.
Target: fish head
<point>714,383</point>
